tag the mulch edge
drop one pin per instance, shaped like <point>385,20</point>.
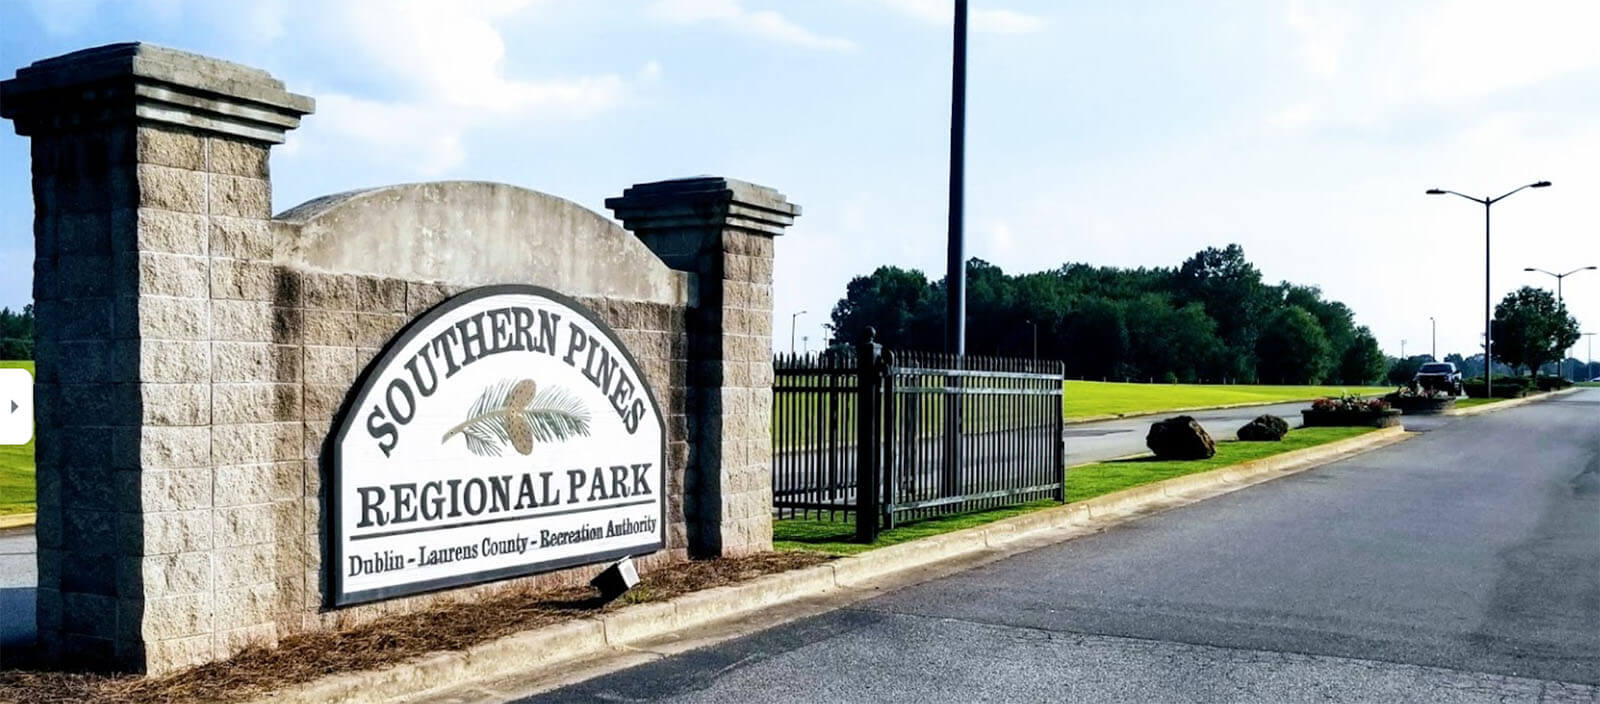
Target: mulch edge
<point>565,612</point>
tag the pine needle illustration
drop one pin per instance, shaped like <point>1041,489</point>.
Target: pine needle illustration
<point>518,413</point>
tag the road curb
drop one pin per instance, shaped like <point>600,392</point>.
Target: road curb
<point>18,520</point>
<point>621,630</point>
<point>1508,403</point>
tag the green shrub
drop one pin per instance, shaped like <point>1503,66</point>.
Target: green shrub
<point>1552,383</point>
<point>1504,387</point>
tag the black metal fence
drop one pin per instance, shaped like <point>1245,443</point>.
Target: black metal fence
<point>900,436</point>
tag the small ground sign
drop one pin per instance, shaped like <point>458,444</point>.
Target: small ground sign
<point>505,432</point>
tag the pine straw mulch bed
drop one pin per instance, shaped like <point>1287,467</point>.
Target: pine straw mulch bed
<point>454,626</point>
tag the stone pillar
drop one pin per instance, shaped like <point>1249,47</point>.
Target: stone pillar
<point>159,500</point>
<point>721,230</point>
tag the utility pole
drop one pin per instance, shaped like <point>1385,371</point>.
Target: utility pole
<point>1402,350</point>
<point>1434,326</point>
<point>955,323</point>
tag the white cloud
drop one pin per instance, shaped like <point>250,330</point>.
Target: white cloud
<point>404,80</point>
<point>1322,30</point>
<point>1001,240</point>
<point>1366,66</point>
<point>985,20</point>
<point>61,17</point>
<point>733,16</point>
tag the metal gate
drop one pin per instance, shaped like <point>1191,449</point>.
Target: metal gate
<point>902,436</point>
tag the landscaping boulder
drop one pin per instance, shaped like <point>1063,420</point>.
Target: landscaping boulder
<point>1265,428</point>
<point>1180,438</point>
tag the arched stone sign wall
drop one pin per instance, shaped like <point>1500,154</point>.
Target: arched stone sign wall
<point>195,352</point>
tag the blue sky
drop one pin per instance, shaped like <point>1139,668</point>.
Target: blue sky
<point>1128,134</point>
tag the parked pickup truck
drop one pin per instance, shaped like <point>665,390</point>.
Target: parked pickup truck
<point>1441,376</point>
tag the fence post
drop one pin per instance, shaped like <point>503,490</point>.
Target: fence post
<point>868,438</point>
<point>890,467</point>
<point>1061,436</point>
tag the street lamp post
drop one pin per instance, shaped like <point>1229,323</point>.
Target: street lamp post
<point>792,320</point>
<point>1488,334</point>
<point>1433,326</point>
<point>1560,371</point>
<point>1559,277</point>
<point>1035,338</point>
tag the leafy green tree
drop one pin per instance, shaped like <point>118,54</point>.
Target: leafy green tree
<point>1097,339</point>
<point>1363,362</point>
<point>1230,289</point>
<point>1164,340</point>
<point>1197,322</point>
<point>892,300</point>
<point>1292,349</point>
<point>1401,371</point>
<point>16,333</point>
<point>1531,328</point>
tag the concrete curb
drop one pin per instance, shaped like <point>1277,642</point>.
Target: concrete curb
<point>1192,409</point>
<point>18,520</point>
<point>1508,403</point>
<point>585,638</point>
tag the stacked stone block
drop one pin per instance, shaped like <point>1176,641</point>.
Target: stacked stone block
<point>169,440</point>
<point>722,231</point>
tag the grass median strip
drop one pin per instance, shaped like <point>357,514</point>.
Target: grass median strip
<point>1087,399</point>
<point>1083,482</point>
<point>16,467</point>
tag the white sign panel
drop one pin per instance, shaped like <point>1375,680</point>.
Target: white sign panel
<point>505,432</point>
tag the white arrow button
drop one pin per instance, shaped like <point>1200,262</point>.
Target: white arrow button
<point>16,426</point>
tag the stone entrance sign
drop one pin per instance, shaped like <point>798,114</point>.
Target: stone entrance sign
<point>224,454</point>
<point>505,432</point>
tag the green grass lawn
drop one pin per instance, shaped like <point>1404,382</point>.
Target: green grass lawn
<point>1083,482</point>
<point>16,468</point>
<point>1470,402</point>
<point>1095,398</point>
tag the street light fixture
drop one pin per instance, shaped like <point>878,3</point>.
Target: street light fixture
<point>792,320</point>
<point>1560,371</point>
<point>1488,335</point>
<point>1559,277</point>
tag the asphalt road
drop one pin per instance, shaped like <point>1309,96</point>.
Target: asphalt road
<point>18,576</point>
<point>1462,565</point>
<point>1094,442</point>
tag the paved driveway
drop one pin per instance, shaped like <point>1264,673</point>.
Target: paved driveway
<point>1463,565</point>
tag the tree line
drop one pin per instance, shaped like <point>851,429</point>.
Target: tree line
<point>1211,319</point>
<point>16,333</point>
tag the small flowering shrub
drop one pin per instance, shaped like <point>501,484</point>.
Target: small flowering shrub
<point>1350,403</point>
<point>1412,392</point>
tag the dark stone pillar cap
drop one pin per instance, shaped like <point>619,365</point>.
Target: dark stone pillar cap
<point>704,201</point>
<point>137,82</point>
